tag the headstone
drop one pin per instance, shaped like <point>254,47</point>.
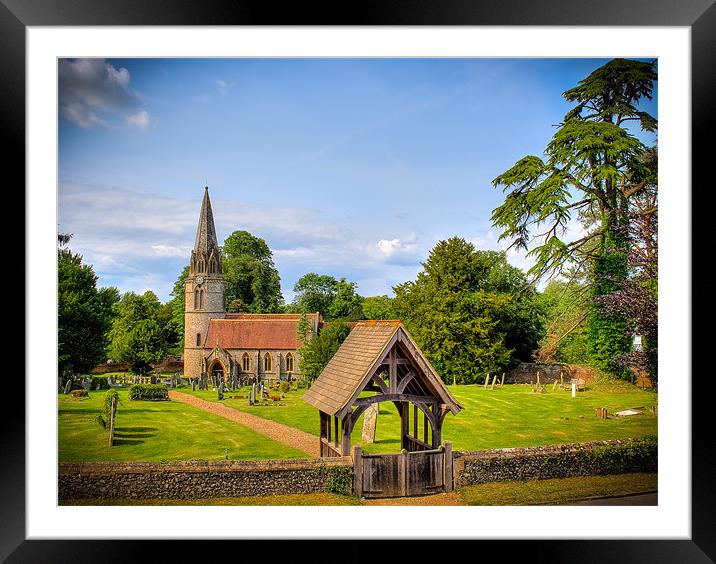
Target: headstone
<point>574,390</point>
<point>86,382</point>
<point>554,386</point>
<point>502,382</point>
<point>193,384</point>
<point>487,380</point>
<point>494,379</point>
<point>221,391</point>
<point>68,385</point>
<point>370,422</point>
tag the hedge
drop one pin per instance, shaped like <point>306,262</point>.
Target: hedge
<point>150,392</point>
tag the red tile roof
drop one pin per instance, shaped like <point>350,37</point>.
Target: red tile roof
<point>254,331</point>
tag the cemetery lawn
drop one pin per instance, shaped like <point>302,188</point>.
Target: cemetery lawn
<point>508,416</point>
<point>157,431</point>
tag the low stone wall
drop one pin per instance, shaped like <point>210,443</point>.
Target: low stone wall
<point>526,373</point>
<point>195,479</point>
<point>555,461</point>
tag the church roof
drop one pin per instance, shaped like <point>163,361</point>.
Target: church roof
<point>256,331</point>
<point>359,356</point>
<point>205,230</point>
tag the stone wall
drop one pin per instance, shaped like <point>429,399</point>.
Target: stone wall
<point>526,373</point>
<point>195,479</point>
<point>555,461</point>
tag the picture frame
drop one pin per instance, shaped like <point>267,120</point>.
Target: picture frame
<point>700,16</point>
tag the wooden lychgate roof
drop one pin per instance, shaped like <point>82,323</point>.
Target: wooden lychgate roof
<point>360,359</point>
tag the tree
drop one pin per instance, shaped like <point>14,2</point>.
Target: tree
<point>177,304</point>
<point>588,172</point>
<point>84,313</point>
<point>378,307</point>
<point>137,336</point>
<point>315,293</point>
<point>637,300</point>
<point>250,274</point>
<point>463,310</point>
<point>315,354</point>
<point>566,305</point>
<point>346,304</point>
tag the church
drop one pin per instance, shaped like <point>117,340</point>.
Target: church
<point>217,344</point>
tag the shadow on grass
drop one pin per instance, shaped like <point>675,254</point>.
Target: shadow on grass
<point>121,441</point>
<point>135,429</point>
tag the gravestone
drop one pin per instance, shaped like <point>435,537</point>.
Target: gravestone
<point>494,378</point>
<point>221,391</point>
<point>487,380</point>
<point>370,423</point>
<point>68,385</point>
<point>502,381</point>
<point>86,384</point>
<point>574,390</point>
<point>554,386</point>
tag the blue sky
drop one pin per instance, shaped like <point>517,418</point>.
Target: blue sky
<point>347,167</point>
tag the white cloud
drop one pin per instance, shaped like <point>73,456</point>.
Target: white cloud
<point>171,251</point>
<point>222,86</point>
<point>139,120</point>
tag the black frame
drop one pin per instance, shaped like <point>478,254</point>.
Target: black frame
<point>699,15</point>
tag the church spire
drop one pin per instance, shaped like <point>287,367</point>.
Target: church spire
<point>205,231</point>
<point>206,256</point>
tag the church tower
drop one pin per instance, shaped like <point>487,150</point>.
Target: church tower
<point>203,290</point>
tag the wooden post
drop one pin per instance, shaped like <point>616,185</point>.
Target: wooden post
<point>447,467</point>
<point>425,428</point>
<point>346,443</point>
<point>436,428</point>
<point>112,412</point>
<point>335,428</point>
<point>403,472</point>
<point>415,421</point>
<point>358,471</point>
<point>404,423</point>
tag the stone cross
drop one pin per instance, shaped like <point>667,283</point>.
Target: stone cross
<point>370,422</point>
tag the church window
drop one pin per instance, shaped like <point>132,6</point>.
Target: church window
<point>196,299</point>
<point>246,362</point>
<point>198,339</point>
<point>267,362</point>
<point>289,362</point>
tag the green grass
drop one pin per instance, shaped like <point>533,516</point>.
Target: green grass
<point>508,416</point>
<point>157,431</point>
<point>557,492</point>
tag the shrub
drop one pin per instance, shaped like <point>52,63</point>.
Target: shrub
<point>284,386</point>
<point>99,383</point>
<point>148,392</point>
<point>79,393</point>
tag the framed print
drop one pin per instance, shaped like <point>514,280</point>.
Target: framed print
<point>40,37</point>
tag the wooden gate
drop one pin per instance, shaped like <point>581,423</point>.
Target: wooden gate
<point>404,474</point>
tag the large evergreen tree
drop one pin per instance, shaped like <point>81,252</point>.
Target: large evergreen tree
<point>469,311</point>
<point>587,171</point>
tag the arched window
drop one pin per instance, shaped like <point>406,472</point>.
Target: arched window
<point>289,362</point>
<point>202,305</point>
<point>246,362</point>
<point>198,339</point>
<point>267,362</point>
<point>197,299</point>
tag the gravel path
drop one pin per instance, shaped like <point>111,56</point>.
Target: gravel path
<point>282,433</point>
